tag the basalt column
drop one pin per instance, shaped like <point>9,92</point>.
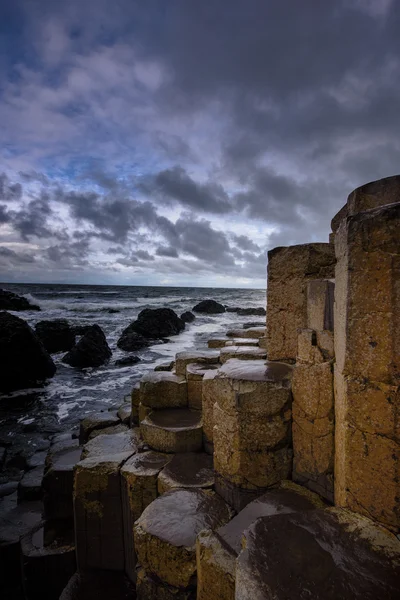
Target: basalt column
<point>289,270</point>
<point>367,348</point>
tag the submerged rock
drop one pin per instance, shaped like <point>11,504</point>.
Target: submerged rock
<point>11,301</point>
<point>92,350</point>
<point>210,307</point>
<point>130,341</point>
<point>188,317</point>
<point>127,361</point>
<point>23,358</point>
<point>56,336</point>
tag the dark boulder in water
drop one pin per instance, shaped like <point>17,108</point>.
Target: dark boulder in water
<point>210,307</point>
<point>187,317</point>
<point>92,350</point>
<point>155,323</point>
<point>127,361</point>
<point>11,301</point>
<point>24,361</point>
<point>79,330</point>
<point>130,341</point>
<point>260,311</point>
<point>56,335</point>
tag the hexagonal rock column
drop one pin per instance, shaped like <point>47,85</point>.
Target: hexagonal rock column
<point>289,269</point>
<point>252,431</point>
<point>98,513</point>
<point>217,552</point>
<point>367,349</point>
<point>165,534</point>
<point>189,470</point>
<point>135,401</point>
<point>58,483</point>
<point>313,399</point>
<point>107,445</point>
<point>139,489</point>
<point>252,332</point>
<point>150,588</point>
<point>321,554</point>
<point>207,402</point>
<point>183,359</point>
<point>242,353</point>
<point>194,375</point>
<point>95,422</point>
<point>173,430</point>
<point>163,389</point>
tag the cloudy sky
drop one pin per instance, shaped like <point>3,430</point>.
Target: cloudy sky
<point>175,142</point>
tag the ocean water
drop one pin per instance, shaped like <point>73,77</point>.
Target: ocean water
<point>72,394</point>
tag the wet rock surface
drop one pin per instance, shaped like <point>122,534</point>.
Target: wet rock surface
<point>23,358</point>
<point>127,361</point>
<point>108,445</point>
<point>130,341</point>
<point>215,568</point>
<point>11,301</point>
<point>173,430</point>
<point>242,353</point>
<point>323,554</point>
<point>210,307</point>
<point>58,483</point>
<point>155,323</point>
<point>183,359</point>
<point>98,421</point>
<point>188,470</point>
<point>188,317</point>
<point>56,336</point>
<point>165,534</point>
<point>163,389</point>
<point>91,350</point>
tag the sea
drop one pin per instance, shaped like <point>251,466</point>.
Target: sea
<point>72,394</point>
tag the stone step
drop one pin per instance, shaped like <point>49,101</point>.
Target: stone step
<point>236,341</point>
<point>163,389</point>
<point>173,430</point>
<point>117,443</point>
<point>242,353</point>
<point>217,551</point>
<point>182,359</point>
<point>48,559</point>
<point>189,470</point>
<point>30,486</point>
<point>251,332</point>
<point>125,413</point>
<point>194,375</point>
<point>165,534</point>
<point>112,430</point>
<point>58,483</point>
<point>97,421</point>
<point>327,554</point>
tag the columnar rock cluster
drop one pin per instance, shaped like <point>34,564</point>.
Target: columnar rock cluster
<point>268,465</point>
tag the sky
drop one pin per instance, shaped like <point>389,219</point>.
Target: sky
<point>176,142</point>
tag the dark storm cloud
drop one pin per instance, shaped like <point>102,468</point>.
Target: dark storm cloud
<point>167,251</point>
<point>4,215</point>
<point>9,191</point>
<point>245,243</point>
<point>176,184</point>
<point>31,219</point>
<point>6,254</point>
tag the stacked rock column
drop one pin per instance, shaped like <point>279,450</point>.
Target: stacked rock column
<point>367,348</point>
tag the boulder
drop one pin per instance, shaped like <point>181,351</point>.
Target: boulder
<point>56,336</point>
<point>130,341</point>
<point>11,301</point>
<point>23,358</point>
<point>92,350</point>
<point>127,361</point>
<point>259,311</point>
<point>210,307</point>
<point>155,323</point>
<point>188,317</point>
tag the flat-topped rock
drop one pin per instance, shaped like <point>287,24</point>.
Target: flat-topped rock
<point>173,430</point>
<point>323,554</point>
<point>113,430</point>
<point>165,534</point>
<point>125,413</point>
<point>242,353</point>
<point>97,421</point>
<point>163,389</point>
<point>30,486</point>
<point>217,342</point>
<point>189,470</point>
<point>98,513</point>
<point>194,375</point>
<point>242,341</point>
<point>216,568</point>
<point>182,359</point>
<point>108,445</point>
<point>149,587</point>
<point>251,332</point>
<point>165,366</point>
<point>285,498</point>
<point>58,483</point>
<point>135,401</point>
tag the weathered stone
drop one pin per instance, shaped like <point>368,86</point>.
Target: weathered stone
<point>194,375</point>
<point>338,218</point>
<point>36,460</point>
<point>125,413</point>
<point>56,335</point>
<point>112,430</point>
<point>153,323</point>
<point>48,559</point>
<point>367,372</point>
<point>321,554</point>
<point>135,400</point>
<point>313,427</point>
<point>30,486</point>
<point>209,307</point>
<point>251,332</point>
<point>91,350</point>
<point>173,430</point>
<point>217,342</point>
<point>11,301</point>
<point>244,341</point>
<point>98,421</point>
<point>314,347</point>
<point>163,390</point>
<point>208,400</point>
<point>320,297</point>
<point>165,366</point>
<point>182,359</point>
<point>373,195</point>
<point>188,317</point>
<point>242,353</point>
<point>189,470</point>
<point>108,445</point>
<point>98,513</point>
<point>289,270</point>
<point>143,412</point>
<point>165,534</point>
<point>138,489</point>
<point>58,484</point>
<point>127,361</point>
<point>149,588</point>
<point>216,568</point>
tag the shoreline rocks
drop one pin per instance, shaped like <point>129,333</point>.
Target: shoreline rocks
<point>56,336</point>
<point>210,307</point>
<point>11,301</point>
<point>92,350</point>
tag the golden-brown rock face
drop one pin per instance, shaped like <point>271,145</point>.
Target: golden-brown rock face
<point>367,347</point>
<point>163,389</point>
<point>289,270</point>
<point>215,568</point>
